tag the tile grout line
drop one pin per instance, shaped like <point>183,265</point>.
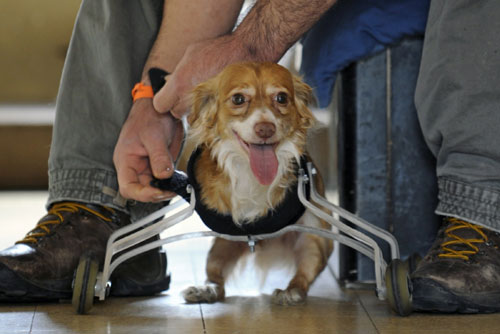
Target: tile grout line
<point>367,313</point>
<point>202,319</point>
<point>33,319</point>
<point>195,276</point>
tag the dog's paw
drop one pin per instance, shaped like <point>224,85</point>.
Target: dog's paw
<point>289,297</point>
<point>203,294</point>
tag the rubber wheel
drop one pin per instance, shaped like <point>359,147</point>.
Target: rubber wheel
<point>412,262</point>
<point>398,288</point>
<point>84,284</point>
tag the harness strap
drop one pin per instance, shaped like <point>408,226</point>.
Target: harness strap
<point>287,213</point>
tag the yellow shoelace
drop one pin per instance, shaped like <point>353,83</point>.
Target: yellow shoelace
<point>43,227</point>
<point>457,224</point>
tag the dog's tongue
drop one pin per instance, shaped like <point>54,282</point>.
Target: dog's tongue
<point>263,162</point>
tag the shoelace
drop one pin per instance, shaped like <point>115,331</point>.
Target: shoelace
<point>457,224</point>
<point>43,227</point>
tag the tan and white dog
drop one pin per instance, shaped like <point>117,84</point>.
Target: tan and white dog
<point>251,122</point>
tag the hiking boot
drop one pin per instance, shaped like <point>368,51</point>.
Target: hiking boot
<point>41,266</point>
<point>461,272</point>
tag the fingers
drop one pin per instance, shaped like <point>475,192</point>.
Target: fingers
<point>167,97</point>
<point>164,147</point>
<point>142,152</point>
<point>136,186</point>
<point>160,159</point>
<point>173,97</point>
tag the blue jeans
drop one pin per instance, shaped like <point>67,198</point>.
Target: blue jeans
<point>458,104</point>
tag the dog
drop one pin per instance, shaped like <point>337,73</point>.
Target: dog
<point>249,124</point>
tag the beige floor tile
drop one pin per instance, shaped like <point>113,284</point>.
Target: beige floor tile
<point>387,322</point>
<point>328,310</point>
<point>158,314</point>
<point>16,318</point>
<point>258,315</point>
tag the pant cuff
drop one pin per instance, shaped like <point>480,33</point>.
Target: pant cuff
<point>94,186</point>
<point>85,185</point>
<point>471,203</point>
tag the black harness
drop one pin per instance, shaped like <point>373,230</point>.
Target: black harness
<point>287,213</point>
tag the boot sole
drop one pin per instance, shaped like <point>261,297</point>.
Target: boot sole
<point>430,296</point>
<point>13,288</point>
<point>16,289</point>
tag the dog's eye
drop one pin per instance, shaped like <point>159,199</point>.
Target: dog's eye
<point>282,98</point>
<point>238,99</point>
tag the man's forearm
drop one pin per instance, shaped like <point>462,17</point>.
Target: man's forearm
<point>272,27</point>
<point>186,22</point>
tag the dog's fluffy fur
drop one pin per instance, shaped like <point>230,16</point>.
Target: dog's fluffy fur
<point>251,121</point>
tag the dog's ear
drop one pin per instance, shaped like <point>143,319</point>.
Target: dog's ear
<point>203,113</point>
<point>303,92</point>
<point>203,110</point>
<point>303,97</point>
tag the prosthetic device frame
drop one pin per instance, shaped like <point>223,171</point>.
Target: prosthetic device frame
<point>123,240</point>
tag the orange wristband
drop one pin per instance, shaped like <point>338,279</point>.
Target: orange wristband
<point>142,91</point>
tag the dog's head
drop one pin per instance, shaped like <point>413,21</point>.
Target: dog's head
<point>257,111</point>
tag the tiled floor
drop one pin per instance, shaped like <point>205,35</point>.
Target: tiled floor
<point>330,309</point>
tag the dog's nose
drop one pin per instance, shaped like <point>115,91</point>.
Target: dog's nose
<point>264,130</point>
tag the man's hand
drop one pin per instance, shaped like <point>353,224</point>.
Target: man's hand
<point>200,62</point>
<point>148,144</point>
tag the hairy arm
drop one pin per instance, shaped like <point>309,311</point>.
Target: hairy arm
<point>272,27</point>
<point>187,22</point>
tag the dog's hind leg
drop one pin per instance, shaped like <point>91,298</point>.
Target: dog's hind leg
<point>311,255</point>
<point>220,262</point>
